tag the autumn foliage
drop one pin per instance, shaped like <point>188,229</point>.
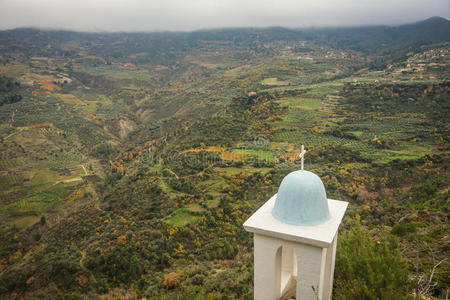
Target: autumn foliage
<point>172,280</point>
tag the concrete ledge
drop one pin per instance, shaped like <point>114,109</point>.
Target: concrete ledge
<point>262,222</point>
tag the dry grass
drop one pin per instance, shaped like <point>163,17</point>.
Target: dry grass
<point>208,149</point>
<point>275,82</point>
<point>48,85</point>
<point>232,156</point>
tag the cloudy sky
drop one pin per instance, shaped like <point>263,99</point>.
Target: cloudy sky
<point>151,15</point>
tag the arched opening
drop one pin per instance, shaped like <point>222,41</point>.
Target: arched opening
<point>286,273</point>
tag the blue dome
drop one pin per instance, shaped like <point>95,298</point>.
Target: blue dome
<point>301,200</point>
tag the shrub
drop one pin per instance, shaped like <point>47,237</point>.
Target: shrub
<point>404,228</point>
<point>369,269</point>
<point>172,280</point>
<point>198,279</point>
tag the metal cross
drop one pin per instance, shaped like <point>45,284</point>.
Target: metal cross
<point>302,155</point>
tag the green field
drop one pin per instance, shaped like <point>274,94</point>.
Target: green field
<point>181,217</point>
<point>302,103</point>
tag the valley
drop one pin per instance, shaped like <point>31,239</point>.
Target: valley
<point>129,161</point>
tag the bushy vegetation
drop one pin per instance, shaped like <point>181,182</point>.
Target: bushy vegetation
<point>370,267</point>
<point>8,91</point>
<point>131,161</point>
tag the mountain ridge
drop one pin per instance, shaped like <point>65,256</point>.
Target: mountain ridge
<point>396,40</point>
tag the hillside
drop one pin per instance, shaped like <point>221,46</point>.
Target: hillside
<point>129,161</point>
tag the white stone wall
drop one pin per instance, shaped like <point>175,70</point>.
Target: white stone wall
<point>274,260</point>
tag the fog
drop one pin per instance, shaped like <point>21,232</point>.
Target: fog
<point>182,15</point>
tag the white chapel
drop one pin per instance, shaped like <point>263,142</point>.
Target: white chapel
<point>295,237</point>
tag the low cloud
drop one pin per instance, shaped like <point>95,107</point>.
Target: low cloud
<point>151,15</point>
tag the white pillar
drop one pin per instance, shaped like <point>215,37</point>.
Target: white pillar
<point>267,267</point>
<point>329,269</point>
<point>310,261</point>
